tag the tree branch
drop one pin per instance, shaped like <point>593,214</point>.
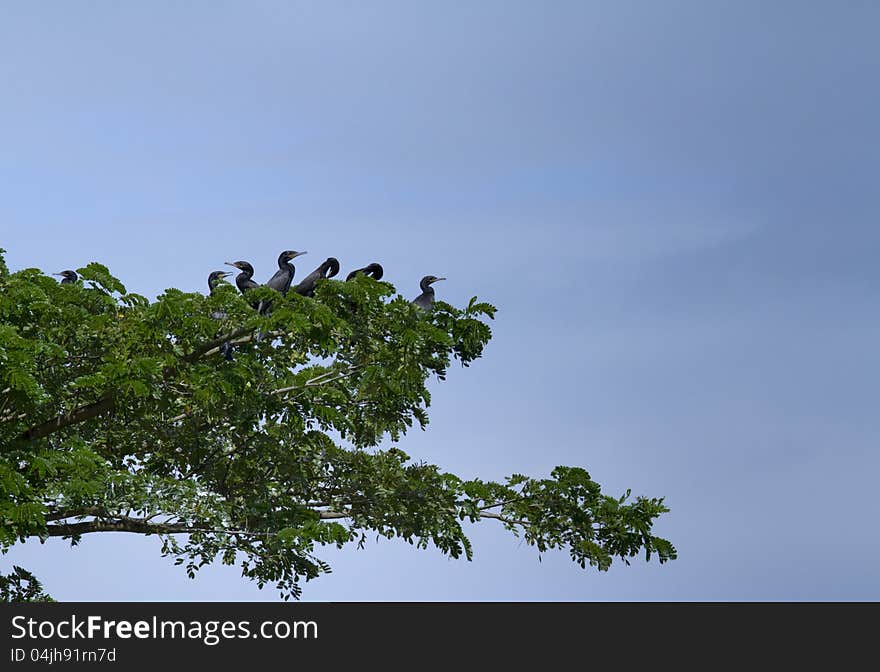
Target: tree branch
<point>75,416</point>
<point>110,523</point>
<point>120,525</point>
<point>115,523</point>
<point>237,337</point>
<point>214,345</point>
<point>323,379</point>
<point>504,519</point>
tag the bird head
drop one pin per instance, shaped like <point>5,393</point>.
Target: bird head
<point>373,270</point>
<point>330,267</point>
<point>242,266</point>
<point>216,276</point>
<point>289,255</point>
<point>67,276</point>
<point>427,281</point>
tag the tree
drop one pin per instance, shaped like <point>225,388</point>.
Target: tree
<point>120,414</point>
<point>21,586</point>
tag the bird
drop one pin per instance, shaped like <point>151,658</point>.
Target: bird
<point>327,269</point>
<point>280,282</point>
<point>67,277</point>
<point>245,280</point>
<point>214,279</point>
<point>426,298</point>
<point>373,270</point>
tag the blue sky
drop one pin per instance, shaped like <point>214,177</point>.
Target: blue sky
<point>673,205</point>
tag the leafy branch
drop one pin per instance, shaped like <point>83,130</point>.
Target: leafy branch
<point>120,414</point>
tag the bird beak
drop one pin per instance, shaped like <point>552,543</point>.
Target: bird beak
<point>229,263</point>
<point>58,274</point>
<point>438,280</point>
<point>298,254</point>
<point>223,275</point>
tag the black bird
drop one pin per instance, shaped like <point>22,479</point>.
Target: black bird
<point>214,279</point>
<point>326,270</point>
<point>245,280</point>
<point>67,277</point>
<point>374,270</point>
<point>280,282</point>
<point>426,298</point>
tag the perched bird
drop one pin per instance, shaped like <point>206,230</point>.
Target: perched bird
<point>426,298</point>
<point>373,270</point>
<point>67,277</point>
<point>280,282</point>
<point>245,280</point>
<point>214,279</point>
<point>328,269</point>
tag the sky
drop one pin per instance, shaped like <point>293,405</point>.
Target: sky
<point>672,204</point>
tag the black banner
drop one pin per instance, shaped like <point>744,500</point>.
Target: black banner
<point>154,635</point>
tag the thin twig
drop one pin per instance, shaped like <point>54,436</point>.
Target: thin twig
<point>504,519</point>
<point>318,380</point>
<point>314,382</point>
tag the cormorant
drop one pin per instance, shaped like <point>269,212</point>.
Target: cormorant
<point>244,280</point>
<point>326,270</point>
<point>426,298</point>
<point>374,270</point>
<point>67,277</point>
<point>280,282</point>
<point>214,279</point>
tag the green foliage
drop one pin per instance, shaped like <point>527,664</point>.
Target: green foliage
<point>21,586</point>
<point>120,413</point>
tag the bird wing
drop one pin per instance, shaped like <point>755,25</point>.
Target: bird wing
<point>280,282</point>
<point>307,286</point>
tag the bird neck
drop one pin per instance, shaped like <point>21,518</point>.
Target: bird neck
<point>242,279</point>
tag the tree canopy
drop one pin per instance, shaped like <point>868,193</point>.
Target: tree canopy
<point>118,413</point>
